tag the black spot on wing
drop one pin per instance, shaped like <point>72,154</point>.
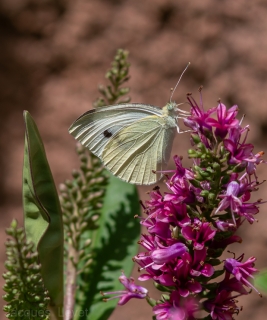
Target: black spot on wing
<point>107,134</point>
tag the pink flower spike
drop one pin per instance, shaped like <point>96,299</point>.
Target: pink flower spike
<point>132,291</point>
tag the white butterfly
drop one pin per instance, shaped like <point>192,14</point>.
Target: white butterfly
<point>132,140</point>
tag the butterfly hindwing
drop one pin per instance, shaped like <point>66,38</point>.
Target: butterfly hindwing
<point>145,145</point>
<point>95,128</point>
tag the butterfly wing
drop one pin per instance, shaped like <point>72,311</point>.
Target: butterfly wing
<point>135,151</point>
<point>95,128</point>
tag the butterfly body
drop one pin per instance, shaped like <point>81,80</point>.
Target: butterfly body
<point>130,139</point>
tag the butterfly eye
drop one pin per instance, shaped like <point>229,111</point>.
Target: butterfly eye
<point>107,134</point>
<point>170,106</point>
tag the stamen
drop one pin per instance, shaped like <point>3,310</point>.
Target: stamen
<point>233,217</point>
<point>234,254</point>
<point>148,265</point>
<point>142,204</point>
<point>240,122</point>
<point>165,171</point>
<point>112,292</point>
<point>111,298</point>
<point>251,285</point>
<point>201,99</point>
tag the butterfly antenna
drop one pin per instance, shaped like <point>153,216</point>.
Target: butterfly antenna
<point>179,81</point>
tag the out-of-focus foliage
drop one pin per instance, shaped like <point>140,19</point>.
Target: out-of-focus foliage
<point>26,295</point>
<point>261,281</point>
<point>118,74</point>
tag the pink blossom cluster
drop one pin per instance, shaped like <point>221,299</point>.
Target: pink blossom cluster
<point>190,226</point>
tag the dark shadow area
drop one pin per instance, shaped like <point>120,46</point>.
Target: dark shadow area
<point>17,91</point>
<point>23,73</point>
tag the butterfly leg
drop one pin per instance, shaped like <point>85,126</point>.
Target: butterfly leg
<point>184,131</point>
<point>178,129</point>
<point>182,111</point>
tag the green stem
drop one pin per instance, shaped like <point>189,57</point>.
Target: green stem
<point>69,301</point>
<point>72,259</point>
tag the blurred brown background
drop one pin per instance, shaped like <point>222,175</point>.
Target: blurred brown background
<point>54,54</point>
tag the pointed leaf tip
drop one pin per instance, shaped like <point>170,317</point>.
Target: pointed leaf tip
<point>42,211</point>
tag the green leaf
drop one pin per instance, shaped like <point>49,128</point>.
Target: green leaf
<point>261,281</point>
<point>215,262</point>
<point>114,245</point>
<point>217,273</point>
<point>42,213</point>
<point>163,288</point>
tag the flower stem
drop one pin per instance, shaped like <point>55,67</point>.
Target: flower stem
<point>69,301</point>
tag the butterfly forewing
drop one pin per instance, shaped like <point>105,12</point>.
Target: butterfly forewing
<point>138,149</point>
<point>96,127</point>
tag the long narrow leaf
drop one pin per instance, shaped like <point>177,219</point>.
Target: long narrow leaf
<point>42,213</point>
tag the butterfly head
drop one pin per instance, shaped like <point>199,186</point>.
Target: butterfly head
<point>170,109</point>
<point>171,106</point>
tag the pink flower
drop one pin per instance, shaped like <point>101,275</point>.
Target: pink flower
<point>242,270</point>
<point>177,275</point>
<point>240,151</point>
<point>176,308</point>
<point>198,121</point>
<point>132,291</point>
<point>233,200</point>
<point>199,267</point>
<point>232,284</point>
<point>222,307</point>
<point>199,232</point>
<point>164,255</point>
<point>226,120</point>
